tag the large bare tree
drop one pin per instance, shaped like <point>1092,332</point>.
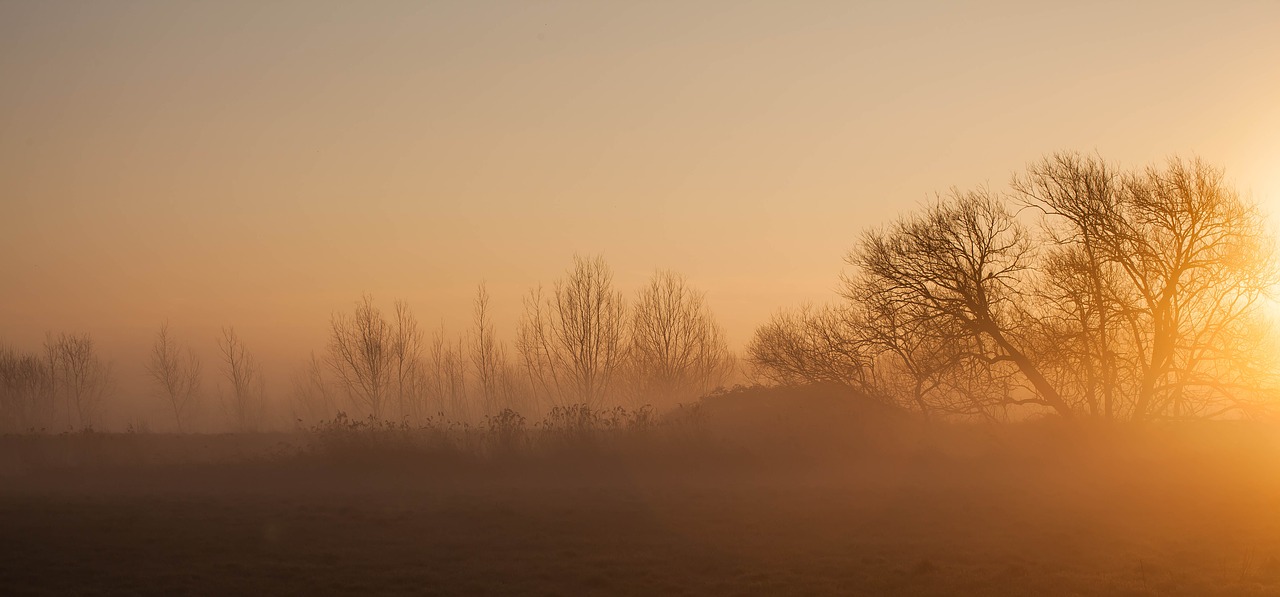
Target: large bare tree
<point>1196,256</point>
<point>1137,300</point>
<point>1157,275</point>
<point>961,265</point>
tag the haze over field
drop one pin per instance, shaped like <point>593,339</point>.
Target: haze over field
<point>661,298</point>
<point>262,166</point>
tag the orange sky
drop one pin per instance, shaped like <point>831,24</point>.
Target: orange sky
<point>230,163</point>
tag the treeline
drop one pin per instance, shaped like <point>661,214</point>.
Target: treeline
<point>580,343</point>
<point>1083,289</point>
<point>64,385</point>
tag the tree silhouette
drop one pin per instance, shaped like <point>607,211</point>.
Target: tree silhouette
<point>176,374</point>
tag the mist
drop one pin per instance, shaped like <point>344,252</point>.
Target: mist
<point>558,298</point>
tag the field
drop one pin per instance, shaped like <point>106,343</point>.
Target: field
<point>762,504</point>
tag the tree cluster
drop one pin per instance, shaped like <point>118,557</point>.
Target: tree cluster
<point>1084,289</point>
<point>580,343</point>
<point>64,386</point>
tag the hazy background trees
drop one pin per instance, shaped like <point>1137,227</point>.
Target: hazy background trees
<point>27,400</point>
<point>1083,289</point>
<point>80,379</point>
<point>64,386</point>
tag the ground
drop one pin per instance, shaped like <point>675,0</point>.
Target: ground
<point>1012,513</point>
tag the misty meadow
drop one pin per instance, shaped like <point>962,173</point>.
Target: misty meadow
<point>556,298</point>
<point>1049,388</point>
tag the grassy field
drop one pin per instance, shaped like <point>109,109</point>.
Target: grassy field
<point>1035,509</point>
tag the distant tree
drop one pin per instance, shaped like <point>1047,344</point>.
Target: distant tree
<point>176,373</point>
<point>246,404</point>
<point>406,355</point>
<point>363,355</point>
<point>27,393</point>
<point>446,377</point>
<point>677,351</point>
<point>485,353</point>
<point>312,396</point>
<point>571,343</point>
<point>80,376</point>
<point>497,383</point>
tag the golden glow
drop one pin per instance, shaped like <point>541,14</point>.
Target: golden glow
<point>262,166</point>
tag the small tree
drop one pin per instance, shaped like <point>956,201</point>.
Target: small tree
<point>312,396</point>
<point>497,383</point>
<point>177,375</point>
<point>406,356</point>
<point>362,355</point>
<point>677,351</point>
<point>246,404</point>
<point>445,377</point>
<point>572,342</point>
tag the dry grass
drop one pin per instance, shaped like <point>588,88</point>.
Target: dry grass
<point>1033,509</point>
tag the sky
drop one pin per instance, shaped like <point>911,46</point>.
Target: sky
<point>262,165</point>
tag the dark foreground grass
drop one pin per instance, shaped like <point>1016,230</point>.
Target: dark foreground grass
<point>928,527</point>
<point>1020,510</point>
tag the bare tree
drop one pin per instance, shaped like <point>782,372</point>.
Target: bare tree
<point>1138,300</point>
<point>406,355</point>
<point>961,266</point>
<point>571,343</point>
<point>176,374</point>
<point>362,355</point>
<point>446,377</point>
<point>1079,195</point>
<point>811,345</point>
<point>27,395</point>
<point>917,361</point>
<point>677,351</point>
<point>246,404</point>
<point>312,396</point>
<point>81,377</point>
<point>484,351</point>
<point>1155,280</point>
<point>496,382</point>
<point>1197,258</point>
